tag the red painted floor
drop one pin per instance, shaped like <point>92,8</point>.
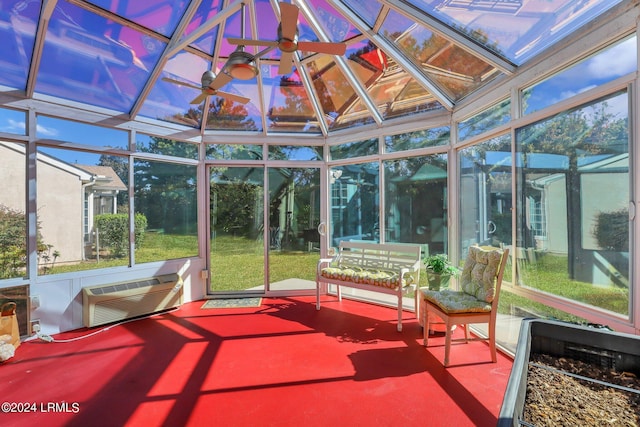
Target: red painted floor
<point>282,364</point>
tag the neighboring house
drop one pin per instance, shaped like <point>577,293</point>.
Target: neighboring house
<point>101,197</point>
<point>68,198</point>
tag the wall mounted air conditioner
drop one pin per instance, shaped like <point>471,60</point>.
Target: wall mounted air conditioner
<point>120,301</point>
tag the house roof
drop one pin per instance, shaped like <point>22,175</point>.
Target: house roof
<point>105,177</point>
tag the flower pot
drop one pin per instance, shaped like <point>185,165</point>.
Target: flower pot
<point>437,281</point>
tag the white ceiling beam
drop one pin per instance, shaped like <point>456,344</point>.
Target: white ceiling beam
<point>45,15</point>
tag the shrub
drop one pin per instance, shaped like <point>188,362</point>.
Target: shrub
<point>612,230</point>
<point>13,243</point>
<point>113,231</point>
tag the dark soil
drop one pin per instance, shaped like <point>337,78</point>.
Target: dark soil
<point>555,399</point>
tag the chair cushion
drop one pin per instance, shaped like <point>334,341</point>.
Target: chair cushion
<point>452,302</point>
<point>385,279</point>
<point>479,273</point>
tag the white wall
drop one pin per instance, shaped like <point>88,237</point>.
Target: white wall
<point>61,295</point>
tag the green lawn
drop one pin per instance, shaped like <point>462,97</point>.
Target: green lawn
<point>549,274</point>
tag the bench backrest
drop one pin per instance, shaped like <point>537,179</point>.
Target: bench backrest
<point>377,256</point>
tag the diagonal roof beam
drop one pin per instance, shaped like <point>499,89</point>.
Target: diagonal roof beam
<point>342,64</point>
<point>449,33</point>
<point>43,24</point>
<point>315,103</point>
<point>219,18</point>
<point>169,51</point>
<point>393,53</point>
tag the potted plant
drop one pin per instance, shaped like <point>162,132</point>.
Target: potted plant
<point>439,271</point>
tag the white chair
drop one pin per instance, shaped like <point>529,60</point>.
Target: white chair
<point>475,302</point>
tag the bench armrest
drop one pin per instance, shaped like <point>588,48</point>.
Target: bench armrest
<point>323,262</point>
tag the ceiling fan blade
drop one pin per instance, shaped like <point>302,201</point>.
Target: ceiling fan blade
<point>220,80</point>
<point>233,97</point>
<point>322,47</point>
<point>199,99</point>
<point>249,42</point>
<point>289,20</point>
<point>286,63</point>
<point>178,82</point>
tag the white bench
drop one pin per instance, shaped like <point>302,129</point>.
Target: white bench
<point>386,268</point>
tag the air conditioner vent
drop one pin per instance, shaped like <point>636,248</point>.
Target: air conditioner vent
<point>120,301</point>
<point>108,289</point>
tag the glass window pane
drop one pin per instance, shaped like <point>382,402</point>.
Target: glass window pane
<point>167,147</point>
<point>294,152</point>
<point>572,215</point>
<point>81,133</point>
<point>166,203</point>
<point>234,152</point>
<point>416,201</point>
<point>354,149</point>
<point>611,63</point>
<point>354,203</point>
<point>13,121</point>
<point>294,216</point>
<point>485,194</point>
<point>13,219</point>
<point>237,228</point>
<point>419,139</point>
<point>83,210</point>
<point>490,118</point>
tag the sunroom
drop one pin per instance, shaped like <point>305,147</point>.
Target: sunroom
<point>236,143</point>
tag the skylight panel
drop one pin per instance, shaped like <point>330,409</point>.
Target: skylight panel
<point>159,15</point>
<point>516,29</point>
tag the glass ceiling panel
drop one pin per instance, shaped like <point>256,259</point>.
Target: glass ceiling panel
<point>336,96</point>
<point>390,87</point>
<point>367,10</point>
<point>161,16</point>
<point>88,56</point>
<point>288,103</point>
<point>516,29</point>
<point>89,59</point>
<point>234,116</point>
<point>170,101</point>
<point>18,26</point>
<point>456,71</point>
<point>334,25</point>
<point>207,10</point>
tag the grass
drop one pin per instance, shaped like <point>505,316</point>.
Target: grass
<point>156,247</point>
<point>549,274</point>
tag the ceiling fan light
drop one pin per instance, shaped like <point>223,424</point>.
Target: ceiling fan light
<point>242,66</point>
<point>243,71</point>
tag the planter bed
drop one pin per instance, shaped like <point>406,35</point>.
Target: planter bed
<point>566,374</point>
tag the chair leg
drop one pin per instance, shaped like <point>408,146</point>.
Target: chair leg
<point>425,328</point>
<point>447,343</point>
<point>492,340</point>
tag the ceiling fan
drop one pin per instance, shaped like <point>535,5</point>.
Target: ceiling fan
<point>210,85</point>
<point>287,40</point>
